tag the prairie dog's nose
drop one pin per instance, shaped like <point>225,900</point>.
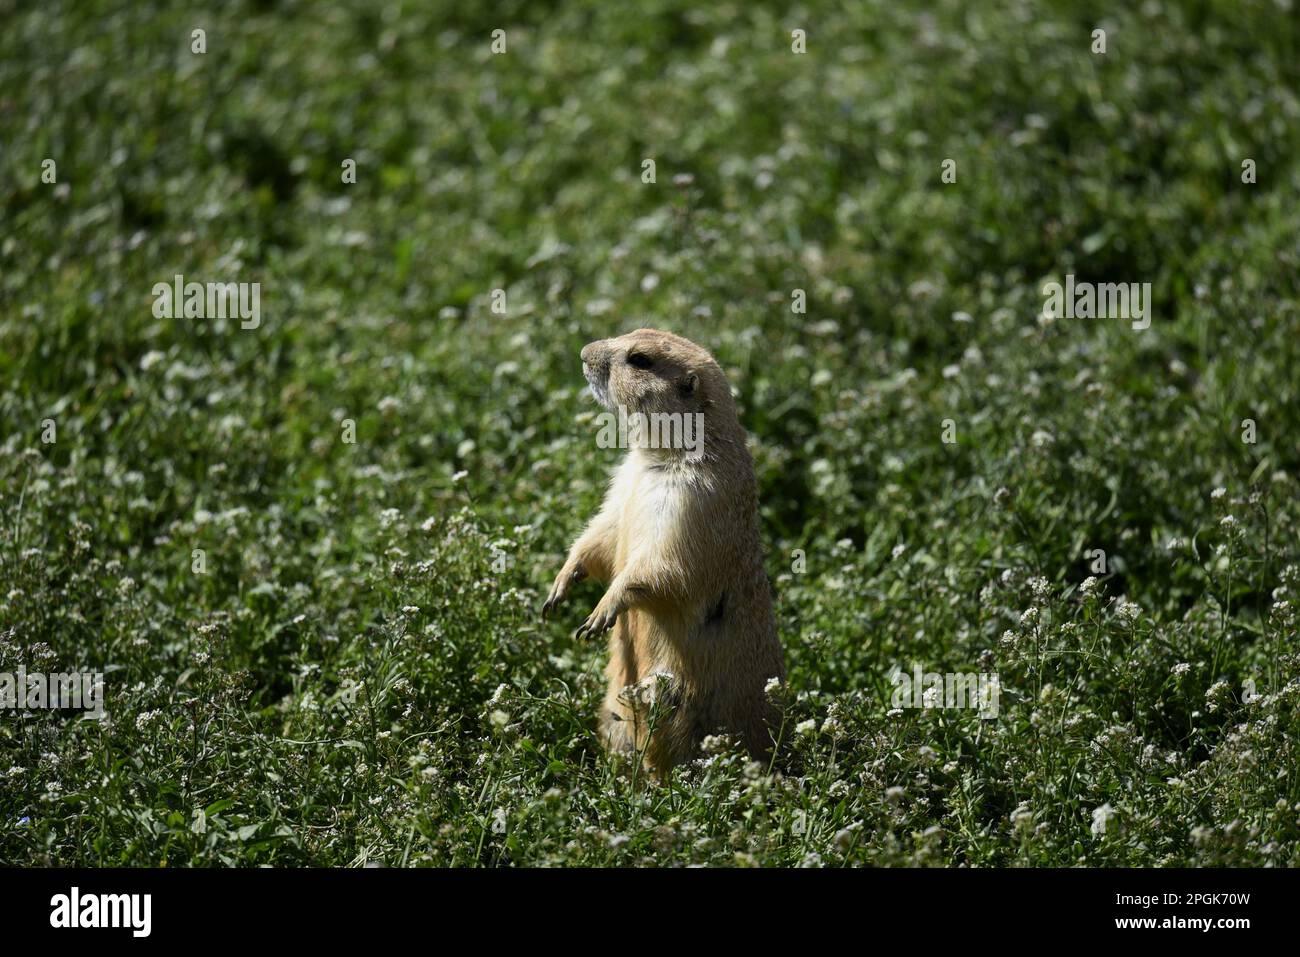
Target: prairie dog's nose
<point>594,354</point>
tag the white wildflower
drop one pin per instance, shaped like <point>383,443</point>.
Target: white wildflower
<point>1101,817</point>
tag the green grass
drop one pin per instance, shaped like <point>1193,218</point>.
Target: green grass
<point>361,674</point>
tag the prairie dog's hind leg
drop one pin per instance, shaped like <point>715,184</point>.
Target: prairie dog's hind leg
<point>617,720</point>
<point>617,732</point>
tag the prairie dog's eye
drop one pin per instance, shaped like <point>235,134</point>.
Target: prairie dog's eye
<point>639,360</point>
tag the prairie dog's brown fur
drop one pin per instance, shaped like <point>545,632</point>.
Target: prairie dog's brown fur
<point>677,541</point>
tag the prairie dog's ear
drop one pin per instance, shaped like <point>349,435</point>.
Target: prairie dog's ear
<point>688,383</point>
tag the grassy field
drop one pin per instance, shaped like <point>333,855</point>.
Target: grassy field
<point>329,652</point>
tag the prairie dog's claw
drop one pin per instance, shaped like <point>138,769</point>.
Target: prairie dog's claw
<point>560,590</point>
<point>599,621</point>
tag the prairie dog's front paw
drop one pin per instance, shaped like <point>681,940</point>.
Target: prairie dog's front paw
<point>603,618</point>
<point>570,573</point>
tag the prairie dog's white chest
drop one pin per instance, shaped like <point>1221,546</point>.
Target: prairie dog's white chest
<point>652,505</point>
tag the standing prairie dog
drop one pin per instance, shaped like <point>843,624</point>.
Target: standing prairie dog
<point>677,542</point>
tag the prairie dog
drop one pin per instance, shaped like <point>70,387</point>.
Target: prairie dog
<point>677,542</point>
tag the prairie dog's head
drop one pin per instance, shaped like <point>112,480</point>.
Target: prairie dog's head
<point>652,371</point>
